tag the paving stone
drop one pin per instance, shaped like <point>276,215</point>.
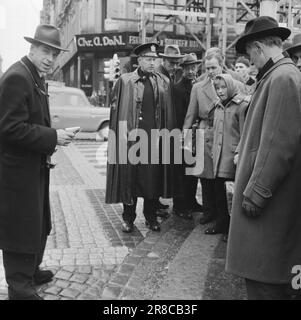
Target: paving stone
<point>51,297</point>
<point>63,275</point>
<point>120,280</point>
<point>135,283</point>
<point>111,292</point>
<point>69,269</point>
<point>93,292</point>
<point>127,294</point>
<point>145,246</point>
<point>62,284</point>
<point>79,287</point>
<point>126,269</point>
<point>132,260</point>
<point>140,253</point>
<point>70,293</point>
<point>87,297</point>
<point>79,278</point>
<point>53,290</point>
<point>85,269</point>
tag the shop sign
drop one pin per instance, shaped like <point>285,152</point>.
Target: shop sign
<point>126,40</point>
<point>100,41</point>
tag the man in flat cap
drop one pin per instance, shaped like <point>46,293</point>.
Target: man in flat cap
<point>26,143</point>
<point>183,206</point>
<point>294,50</point>
<point>142,103</point>
<point>170,63</point>
<point>265,239</point>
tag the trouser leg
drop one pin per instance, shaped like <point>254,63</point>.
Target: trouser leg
<point>223,218</point>
<point>19,271</point>
<point>149,210</point>
<point>40,255</point>
<point>208,194</point>
<point>191,185</point>
<point>179,203</point>
<point>129,212</point>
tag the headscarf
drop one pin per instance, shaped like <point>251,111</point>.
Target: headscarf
<point>231,85</point>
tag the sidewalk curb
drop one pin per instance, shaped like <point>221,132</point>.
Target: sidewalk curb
<point>188,271</point>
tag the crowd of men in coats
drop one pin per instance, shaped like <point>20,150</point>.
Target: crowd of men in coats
<point>251,135</point>
<point>250,119</point>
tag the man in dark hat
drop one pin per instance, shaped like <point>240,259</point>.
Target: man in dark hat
<point>26,143</point>
<point>265,239</point>
<point>170,64</point>
<point>183,206</point>
<point>294,50</point>
<point>142,103</point>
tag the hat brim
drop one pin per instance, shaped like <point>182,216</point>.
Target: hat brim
<point>293,48</point>
<point>171,56</point>
<point>34,41</point>
<point>281,32</point>
<point>190,63</point>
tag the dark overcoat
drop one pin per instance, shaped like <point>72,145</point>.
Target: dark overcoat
<point>126,108</point>
<point>25,140</point>
<point>266,248</point>
<point>181,93</point>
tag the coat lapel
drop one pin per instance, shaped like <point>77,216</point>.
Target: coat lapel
<point>40,87</point>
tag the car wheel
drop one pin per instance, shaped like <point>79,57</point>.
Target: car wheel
<point>104,131</point>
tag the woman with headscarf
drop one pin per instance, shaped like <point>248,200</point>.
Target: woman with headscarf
<point>227,126</point>
<point>201,107</point>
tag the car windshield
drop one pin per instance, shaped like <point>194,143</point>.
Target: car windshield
<point>67,99</point>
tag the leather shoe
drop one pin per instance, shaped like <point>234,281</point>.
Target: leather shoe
<point>31,297</point>
<point>214,230</point>
<point>42,277</point>
<point>127,227</point>
<point>161,206</point>
<point>154,226</point>
<point>183,214</point>
<point>162,214</point>
<point>206,219</point>
<point>225,238</point>
<point>197,207</point>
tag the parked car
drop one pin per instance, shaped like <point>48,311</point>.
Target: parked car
<point>69,107</point>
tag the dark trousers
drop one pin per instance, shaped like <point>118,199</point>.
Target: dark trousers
<point>149,210</point>
<point>266,291</point>
<point>222,218</point>
<point>215,202</point>
<point>209,198</point>
<point>188,201</point>
<point>20,269</point>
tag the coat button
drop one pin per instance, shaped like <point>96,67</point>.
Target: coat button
<point>140,118</point>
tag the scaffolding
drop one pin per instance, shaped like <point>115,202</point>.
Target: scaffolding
<point>220,21</point>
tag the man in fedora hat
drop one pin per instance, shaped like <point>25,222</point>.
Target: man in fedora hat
<point>141,99</point>
<point>26,143</point>
<point>170,64</point>
<point>265,239</point>
<point>184,205</point>
<point>294,50</point>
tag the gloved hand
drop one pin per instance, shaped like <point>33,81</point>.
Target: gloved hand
<point>251,210</point>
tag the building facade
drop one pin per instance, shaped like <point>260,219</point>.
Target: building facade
<point>94,30</point>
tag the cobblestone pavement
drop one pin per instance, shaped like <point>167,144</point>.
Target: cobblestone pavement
<point>90,256</point>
